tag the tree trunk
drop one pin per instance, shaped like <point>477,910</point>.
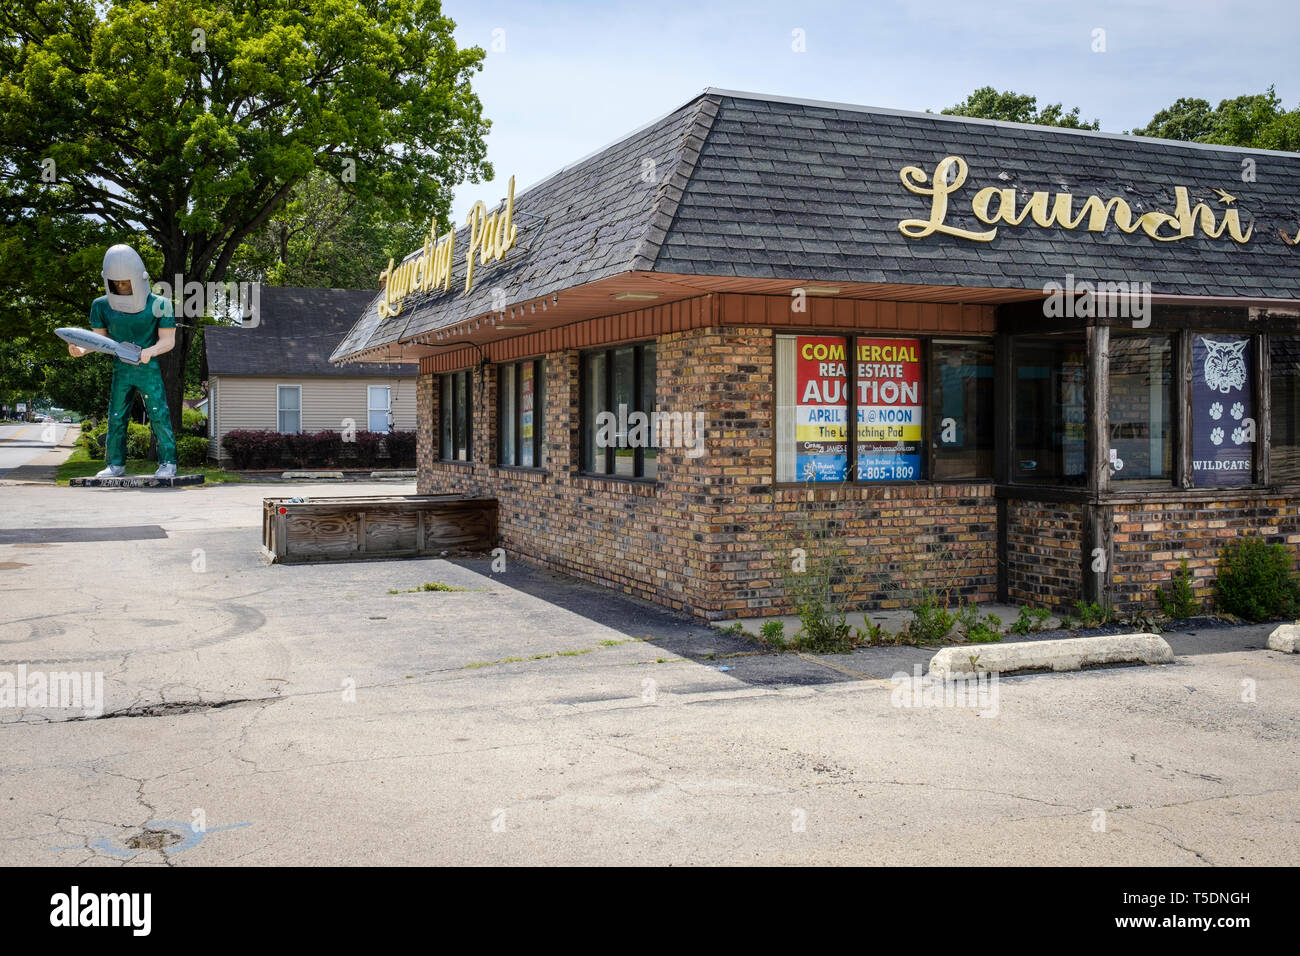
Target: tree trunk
<point>172,364</point>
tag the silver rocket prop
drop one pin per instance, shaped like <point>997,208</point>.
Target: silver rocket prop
<point>86,339</point>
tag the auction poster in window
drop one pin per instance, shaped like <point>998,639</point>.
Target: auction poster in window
<point>1223,411</point>
<point>889,409</point>
<point>526,415</point>
<point>821,410</point>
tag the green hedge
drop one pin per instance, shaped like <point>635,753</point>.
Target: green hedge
<point>1256,581</point>
<point>191,450</point>
<point>193,422</point>
<point>138,438</point>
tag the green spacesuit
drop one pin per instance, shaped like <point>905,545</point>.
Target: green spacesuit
<point>142,329</point>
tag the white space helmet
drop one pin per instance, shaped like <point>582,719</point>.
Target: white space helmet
<point>122,263</point>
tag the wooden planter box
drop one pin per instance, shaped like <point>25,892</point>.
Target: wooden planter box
<point>380,526</point>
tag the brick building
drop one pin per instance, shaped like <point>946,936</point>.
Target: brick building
<point>1072,358</point>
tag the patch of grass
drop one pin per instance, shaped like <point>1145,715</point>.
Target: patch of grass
<point>773,632</point>
<point>427,586</point>
<point>931,619</point>
<point>1031,620</point>
<point>987,631</point>
<point>977,631</point>
<point>1180,602</point>
<point>541,657</point>
<point>877,635</point>
<point>80,465</point>
<point>1093,615</point>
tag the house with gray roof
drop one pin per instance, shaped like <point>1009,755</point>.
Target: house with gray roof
<point>924,352</point>
<point>274,374</point>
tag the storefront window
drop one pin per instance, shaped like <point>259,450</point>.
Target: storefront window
<point>889,412</point>
<point>1284,352</point>
<point>1050,376</point>
<point>455,417</point>
<point>618,390</point>
<point>961,409</point>
<point>1141,407</point>
<point>520,422</point>
<point>812,409</point>
<point>508,416</point>
<point>1223,410</point>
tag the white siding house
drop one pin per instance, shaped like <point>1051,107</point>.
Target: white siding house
<point>276,375</point>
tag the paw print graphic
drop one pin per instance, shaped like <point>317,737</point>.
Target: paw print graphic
<point>1238,410</point>
<point>1216,411</point>
<point>1216,436</point>
<point>1238,436</point>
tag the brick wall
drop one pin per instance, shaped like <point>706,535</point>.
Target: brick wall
<point>639,537</point>
<point>1151,538</point>
<point>1044,553</point>
<point>713,535</point>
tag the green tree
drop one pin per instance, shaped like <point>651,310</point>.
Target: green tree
<point>325,237</point>
<point>1259,121</point>
<point>988,103</point>
<point>183,126</point>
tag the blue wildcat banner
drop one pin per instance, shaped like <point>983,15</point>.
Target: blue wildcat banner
<point>1223,411</point>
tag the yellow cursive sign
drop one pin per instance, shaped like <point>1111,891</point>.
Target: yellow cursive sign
<point>492,235</point>
<point>993,205</point>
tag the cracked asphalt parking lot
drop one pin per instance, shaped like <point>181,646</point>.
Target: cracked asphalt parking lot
<point>305,715</point>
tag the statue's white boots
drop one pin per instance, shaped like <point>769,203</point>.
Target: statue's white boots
<point>166,469</point>
<point>112,471</point>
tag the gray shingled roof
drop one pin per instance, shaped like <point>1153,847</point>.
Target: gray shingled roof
<point>298,329</point>
<point>767,187</point>
<point>596,218</point>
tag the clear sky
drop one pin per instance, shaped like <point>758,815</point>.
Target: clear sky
<point>562,79</point>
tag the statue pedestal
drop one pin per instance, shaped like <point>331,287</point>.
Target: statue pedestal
<point>137,481</point>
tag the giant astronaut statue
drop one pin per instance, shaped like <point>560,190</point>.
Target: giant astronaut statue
<point>129,312</point>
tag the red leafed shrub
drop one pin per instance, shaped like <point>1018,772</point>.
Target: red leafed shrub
<point>249,448</point>
<point>314,449</point>
<point>401,449</point>
<point>365,450</point>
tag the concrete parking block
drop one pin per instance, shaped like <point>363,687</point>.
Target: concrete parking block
<point>1285,639</point>
<point>1066,654</point>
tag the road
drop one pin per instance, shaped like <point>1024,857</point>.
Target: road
<point>19,444</point>
<point>305,714</point>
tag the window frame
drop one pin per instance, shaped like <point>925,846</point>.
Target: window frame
<point>448,419</point>
<point>280,410</point>
<point>928,436</point>
<point>587,434</point>
<point>371,409</point>
<point>514,371</point>
<point>1258,360</point>
<point>1061,482</point>
<point>1159,482</point>
<point>851,431</point>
